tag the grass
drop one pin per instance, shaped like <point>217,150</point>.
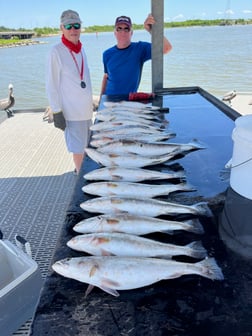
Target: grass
<point>6,43</point>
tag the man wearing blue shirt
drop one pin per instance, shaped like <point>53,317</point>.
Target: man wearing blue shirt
<point>123,62</point>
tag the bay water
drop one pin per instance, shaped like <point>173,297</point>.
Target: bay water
<point>218,59</point>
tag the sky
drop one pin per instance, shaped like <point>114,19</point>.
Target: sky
<point>30,14</point>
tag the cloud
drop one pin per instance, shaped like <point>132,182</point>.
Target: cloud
<point>178,17</point>
<point>247,11</point>
<point>229,12</point>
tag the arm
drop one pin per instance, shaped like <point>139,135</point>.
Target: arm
<point>148,26</point>
<point>104,83</point>
<point>53,81</point>
<point>52,88</point>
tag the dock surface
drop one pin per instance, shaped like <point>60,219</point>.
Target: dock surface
<point>36,185</point>
<point>242,103</point>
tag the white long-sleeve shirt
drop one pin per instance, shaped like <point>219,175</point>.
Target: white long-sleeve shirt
<point>63,84</point>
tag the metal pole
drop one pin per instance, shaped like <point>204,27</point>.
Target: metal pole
<point>157,10</point>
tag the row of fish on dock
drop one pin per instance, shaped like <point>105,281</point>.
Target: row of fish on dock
<point>126,138</point>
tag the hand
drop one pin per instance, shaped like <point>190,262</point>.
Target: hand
<point>59,120</point>
<point>149,22</point>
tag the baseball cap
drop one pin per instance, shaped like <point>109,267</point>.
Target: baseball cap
<point>123,20</point>
<point>69,16</point>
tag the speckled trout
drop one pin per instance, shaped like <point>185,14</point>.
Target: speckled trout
<point>127,160</point>
<point>131,174</point>
<point>134,189</point>
<point>112,273</point>
<point>127,130</point>
<point>137,225</point>
<point>142,206</point>
<point>111,125</point>
<point>128,245</point>
<point>149,138</point>
<point>147,149</point>
<point>130,109</point>
<point>118,115</point>
<point>130,105</point>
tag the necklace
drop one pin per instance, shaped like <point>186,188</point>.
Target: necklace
<point>80,71</point>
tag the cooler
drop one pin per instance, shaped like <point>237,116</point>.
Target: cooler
<point>20,285</point>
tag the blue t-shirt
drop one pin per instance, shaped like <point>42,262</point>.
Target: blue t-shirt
<point>124,67</point>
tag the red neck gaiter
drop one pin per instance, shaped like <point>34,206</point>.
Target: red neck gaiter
<point>73,47</point>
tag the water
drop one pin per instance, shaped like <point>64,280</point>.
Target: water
<point>218,59</point>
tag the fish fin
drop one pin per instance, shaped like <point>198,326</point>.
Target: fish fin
<point>93,270</point>
<point>113,155</point>
<point>106,285</point>
<point>107,138</point>
<point>105,253</point>
<point>187,187</point>
<point>197,144</point>
<point>179,174</point>
<point>194,226</point>
<point>203,209</point>
<point>117,178</point>
<point>197,250</point>
<point>100,240</point>
<point>88,290</point>
<point>210,269</point>
<point>112,221</point>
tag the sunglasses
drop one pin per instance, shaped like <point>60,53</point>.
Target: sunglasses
<point>72,25</point>
<point>125,29</point>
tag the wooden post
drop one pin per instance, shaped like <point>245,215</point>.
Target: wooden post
<point>157,10</point>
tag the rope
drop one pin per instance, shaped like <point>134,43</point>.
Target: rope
<point>240,164</point>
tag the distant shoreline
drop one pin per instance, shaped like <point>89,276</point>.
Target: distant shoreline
<point>21,43</point>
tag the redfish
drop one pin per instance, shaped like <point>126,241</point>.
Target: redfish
<point>112,273</point>
<point>137,225</point>
<point>142,206</point>
<point>128,245</point>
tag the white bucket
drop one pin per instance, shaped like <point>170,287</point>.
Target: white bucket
<point>241,167</point>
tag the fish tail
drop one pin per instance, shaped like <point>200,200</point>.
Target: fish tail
<point>203,209</point>
<point>196,144</point>
<point>194,226</point>
<point>188,187</point>
<point>209,269</point>
<point>197,250</point>
<point>180,174</point>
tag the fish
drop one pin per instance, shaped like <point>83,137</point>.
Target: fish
<point>127,130</point>
<point>111,125</point>
<point>129,160</point>
<point>132,136</point>
<point>131,174</point>
<point>147,149</point>
<point>137,225</point>
<point>118,113</point>
<point>121,115</point>
<point>128,245</point>
<point>133,189</point>
<point>113,273</point>
<point>142,206</point>
<point>130,105</point>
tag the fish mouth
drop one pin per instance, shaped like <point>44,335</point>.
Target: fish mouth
<point>60,266</point>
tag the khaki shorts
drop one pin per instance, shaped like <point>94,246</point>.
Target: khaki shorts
<point>77,135</point>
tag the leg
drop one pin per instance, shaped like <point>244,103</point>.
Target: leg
<point>78,158</point>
